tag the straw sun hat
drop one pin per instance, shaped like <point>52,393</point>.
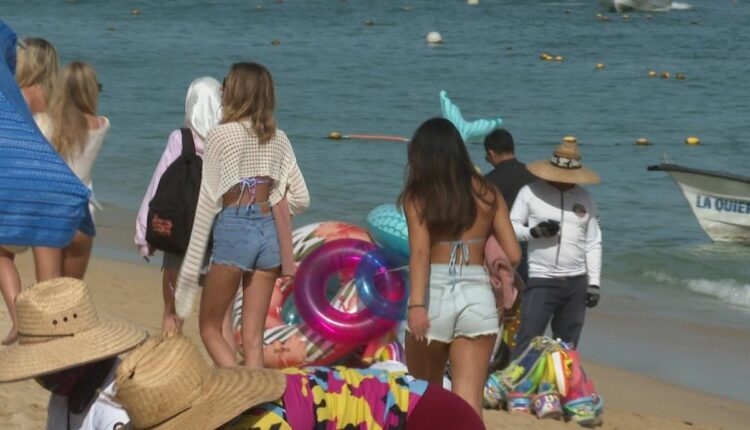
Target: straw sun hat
<point>58,328</point>
<point>565,165</point>
<point>166,384</point>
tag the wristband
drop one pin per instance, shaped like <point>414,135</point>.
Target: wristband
<point>408,308</point>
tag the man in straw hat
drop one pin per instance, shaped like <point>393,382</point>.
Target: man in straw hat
<point>558,218</point>
<point>166,384</point>
<point>70,351</point>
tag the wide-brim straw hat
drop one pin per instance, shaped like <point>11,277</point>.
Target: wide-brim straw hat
<point>58,328</point>
<point>565,166</point>
<point>166,384</point>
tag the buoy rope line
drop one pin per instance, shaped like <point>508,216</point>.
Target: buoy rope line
<point>338,136</point>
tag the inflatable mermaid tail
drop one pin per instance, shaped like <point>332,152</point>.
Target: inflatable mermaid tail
<point>470,131</point>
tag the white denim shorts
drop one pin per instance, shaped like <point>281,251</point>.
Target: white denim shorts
<point>460,307</point>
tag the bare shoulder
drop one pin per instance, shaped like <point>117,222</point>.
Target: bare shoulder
<point>97,123</point>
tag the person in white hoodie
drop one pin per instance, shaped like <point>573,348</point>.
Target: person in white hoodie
<point>202,113</point>
<point>558,219</point>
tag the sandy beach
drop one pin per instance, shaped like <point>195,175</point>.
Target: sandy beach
<point>132,291</point>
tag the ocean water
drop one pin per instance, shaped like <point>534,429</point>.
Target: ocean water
<point>333,72</point>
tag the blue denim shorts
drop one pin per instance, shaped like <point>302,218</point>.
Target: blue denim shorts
<point>246,238</point>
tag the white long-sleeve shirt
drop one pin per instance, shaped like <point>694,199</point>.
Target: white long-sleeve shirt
<point>577,249</point>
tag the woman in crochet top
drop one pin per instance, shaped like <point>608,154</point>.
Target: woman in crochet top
<point>73,127</point>
<point>248,167</point>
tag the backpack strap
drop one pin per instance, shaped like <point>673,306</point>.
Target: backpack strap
<point>188,144</point>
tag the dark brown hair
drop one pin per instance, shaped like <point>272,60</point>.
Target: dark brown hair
<point>441,179</point>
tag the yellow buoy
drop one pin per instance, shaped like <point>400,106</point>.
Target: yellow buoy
<point>642,141</point>
<point>665,75</point>
<point>599,66</point>
<point>569,139</point>
<point>135,11</point>
<point>369,23</point>
<point>335,135</point>
<point>680,76</point>
<point>559,58</point>
<point>652,74</point>
<point>692,140</point>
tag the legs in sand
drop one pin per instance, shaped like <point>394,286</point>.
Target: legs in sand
<point>258,288</point>
<point>10,284</point>
<point>469,358</point>
<point>47,263</point>
<point>216,302</point>
<point>75,256</point>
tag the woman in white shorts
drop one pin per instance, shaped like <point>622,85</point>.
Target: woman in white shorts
<point>451,210</point>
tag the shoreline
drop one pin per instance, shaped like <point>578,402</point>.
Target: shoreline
<point>131,291</point>
<point>659,335</point>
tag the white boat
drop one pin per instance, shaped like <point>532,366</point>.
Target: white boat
<point>642,5</point>
<point>720,201</point>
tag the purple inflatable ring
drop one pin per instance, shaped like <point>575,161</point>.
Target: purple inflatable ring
<point>339,256</point>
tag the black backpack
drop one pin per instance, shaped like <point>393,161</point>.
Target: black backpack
<point>172,210</point>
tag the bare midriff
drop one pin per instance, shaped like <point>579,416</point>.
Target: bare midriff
<point>250,195</point>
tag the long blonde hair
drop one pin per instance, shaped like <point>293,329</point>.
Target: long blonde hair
<point>248,92</point>
<point>37,64</point>
<point>75,96</point>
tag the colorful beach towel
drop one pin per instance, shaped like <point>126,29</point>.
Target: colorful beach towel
<point>42,202</point>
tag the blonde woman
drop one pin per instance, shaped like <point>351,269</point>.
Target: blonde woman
<point>73,127</point>
<point>37,69</point>
<point>248,168</point>
<point>36,72</point>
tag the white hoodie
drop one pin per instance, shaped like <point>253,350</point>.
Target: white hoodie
<point>577,249</point>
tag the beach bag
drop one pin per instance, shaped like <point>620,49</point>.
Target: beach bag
<point>171,211</point>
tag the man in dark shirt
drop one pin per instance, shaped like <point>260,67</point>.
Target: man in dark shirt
<point>509,175</point>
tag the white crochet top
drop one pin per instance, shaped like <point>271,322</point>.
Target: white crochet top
<point>233,152</point>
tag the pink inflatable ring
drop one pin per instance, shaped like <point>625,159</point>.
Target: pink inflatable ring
<point>342,257</point>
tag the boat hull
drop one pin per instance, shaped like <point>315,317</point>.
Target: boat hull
<point>641,5</point>
<point>720,202</point>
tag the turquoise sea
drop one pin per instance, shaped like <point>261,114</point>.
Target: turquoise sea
<point>334,72</point>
